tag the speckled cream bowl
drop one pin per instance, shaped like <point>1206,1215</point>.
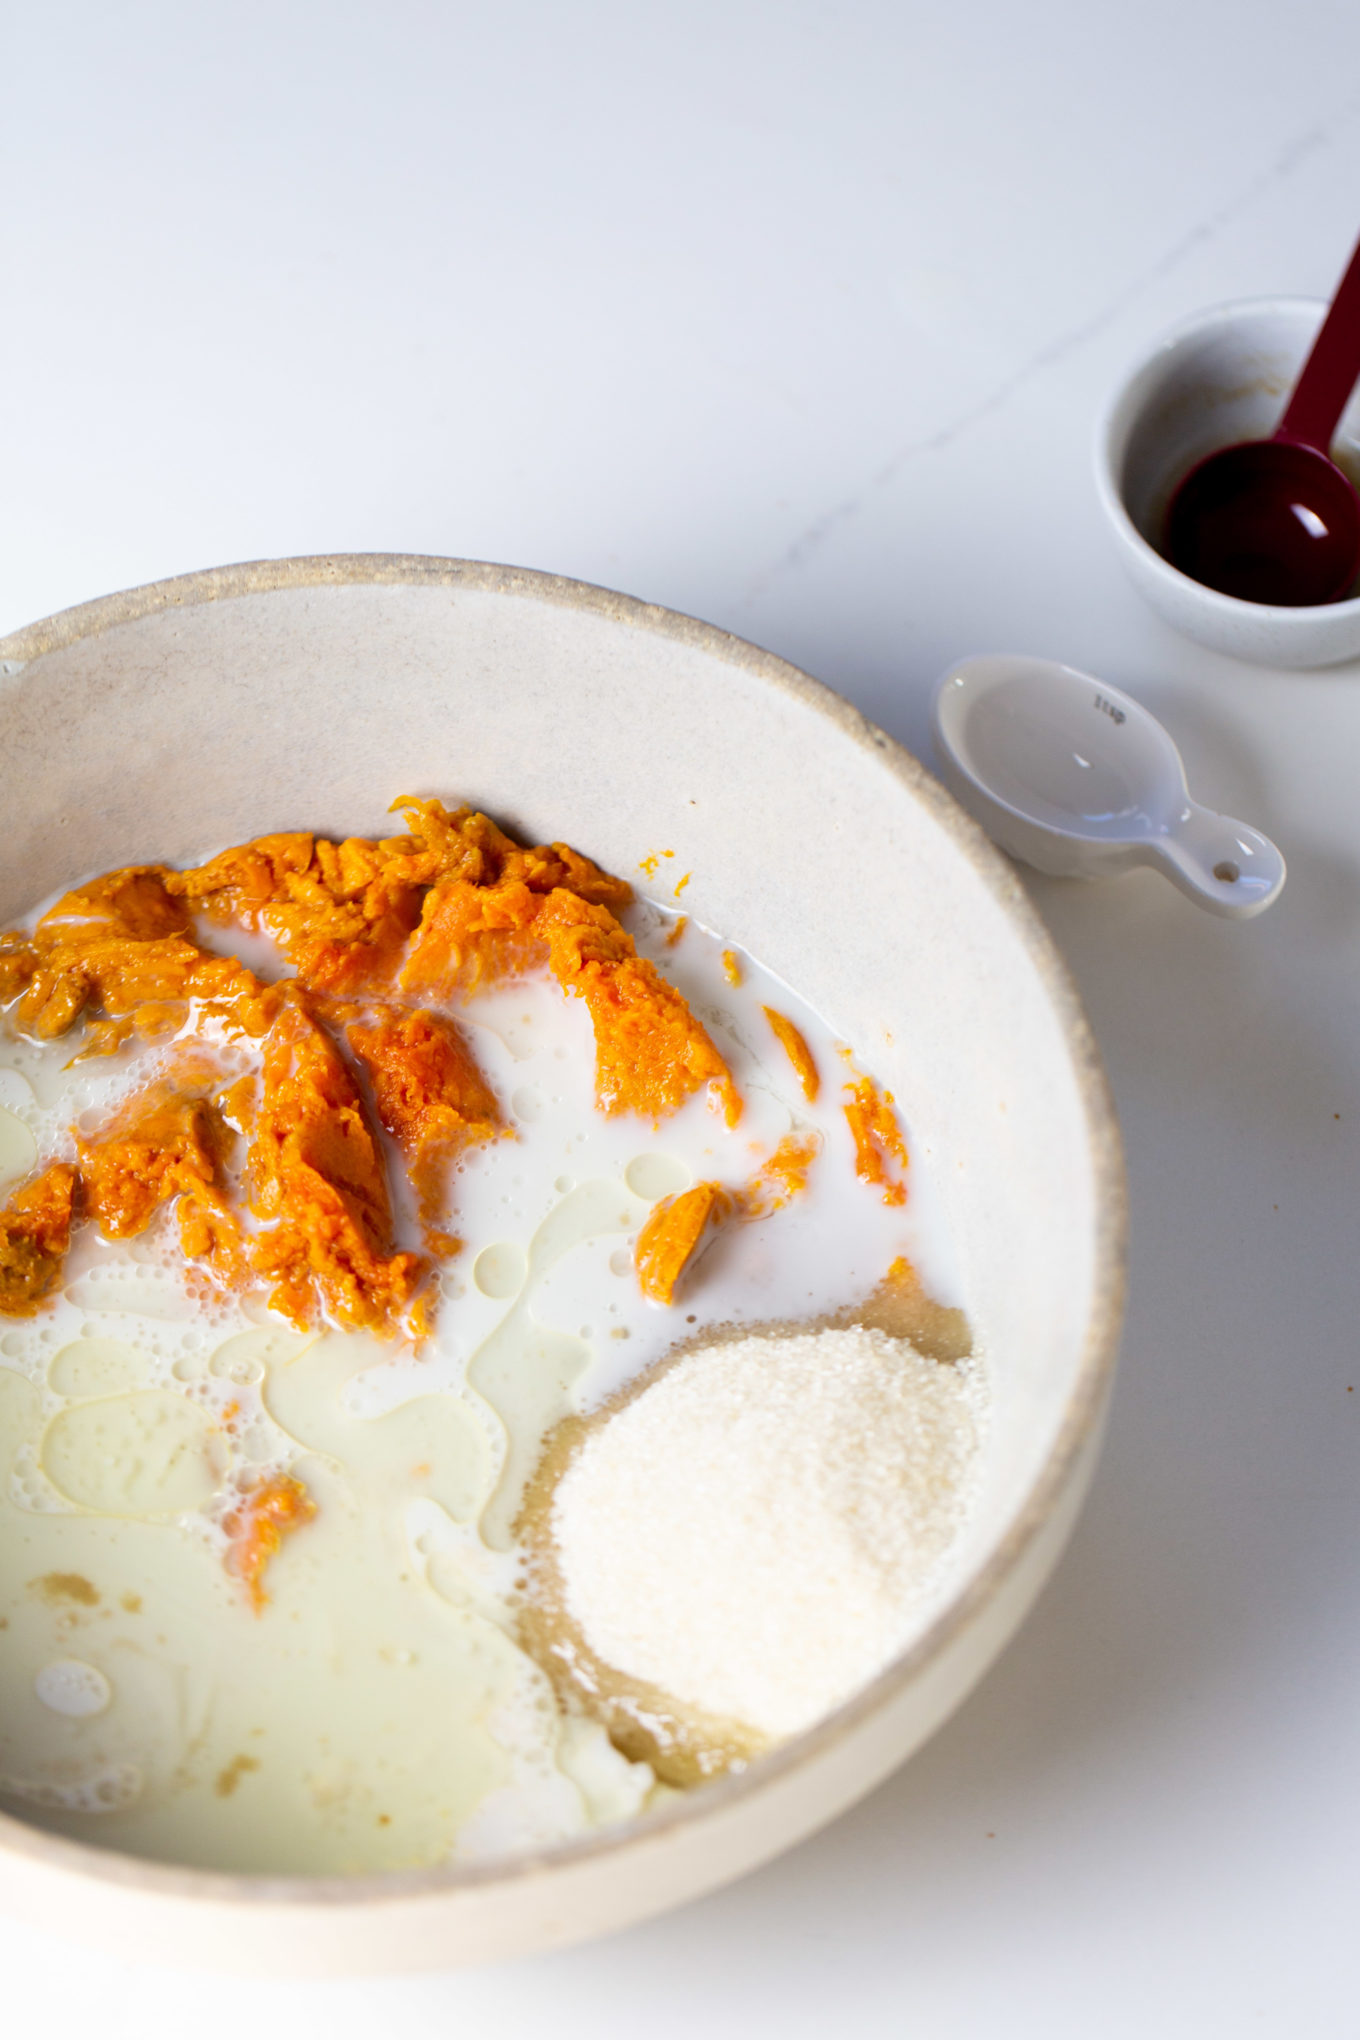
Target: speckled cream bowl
<point>307,693</point>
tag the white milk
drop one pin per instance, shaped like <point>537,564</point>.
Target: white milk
<point>377,1711</point>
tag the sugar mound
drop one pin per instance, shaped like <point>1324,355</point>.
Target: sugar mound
<point>755,1531</point>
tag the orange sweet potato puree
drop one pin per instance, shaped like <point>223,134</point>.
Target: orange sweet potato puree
<point>116,945</point>
<point>170,1141</point>
<point>880,1150</point>
<point>650,1052</point>
<point>429,1094</point>
<point>782,1177</point>
<point>378,932</point>
<point>677,1226</point>
<point>35,1233</point>
<point>797,1051</point>
<point>316,1177</point>
<point>671,1235</point>
<point>258,1525</point>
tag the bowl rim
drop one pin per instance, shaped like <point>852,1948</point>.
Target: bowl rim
<point>1112,429</point>
<point>1086,1400</point>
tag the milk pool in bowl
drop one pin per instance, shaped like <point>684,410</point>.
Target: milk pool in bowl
<point>372,1707</point>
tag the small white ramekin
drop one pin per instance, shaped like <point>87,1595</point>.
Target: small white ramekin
<point>1223,376</point>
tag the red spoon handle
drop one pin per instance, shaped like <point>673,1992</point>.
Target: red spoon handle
<point>1330,372</point>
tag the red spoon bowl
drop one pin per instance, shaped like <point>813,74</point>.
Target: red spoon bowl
<point>1267,521</point>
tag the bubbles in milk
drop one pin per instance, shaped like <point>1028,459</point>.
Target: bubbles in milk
<point>18,1148</point>
<point>71,1687</point>
<point>96,1366</point>
<point>109,1789</point>
<point>652,1176</point>
<point>151,1453</point>
<point>499,1270</point>
<point>31,1490</point>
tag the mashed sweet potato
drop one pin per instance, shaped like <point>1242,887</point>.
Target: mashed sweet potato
<point>35,1234</point>
<point>257,1526</point>
<point>374,935</point>
<point>121,943</point>
<point>317,1185</point>
<point>651,1054</point>
<point>677,1227</point>
<point>169,1141</point>
<point>880,1150</point>
<point>672,1234</point>
<point>429,1092</point>
<point>797,1051</point>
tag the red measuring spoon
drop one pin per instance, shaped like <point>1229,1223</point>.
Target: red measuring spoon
<point>1275,520</point>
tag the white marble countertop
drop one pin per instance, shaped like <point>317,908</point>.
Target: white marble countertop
<point>797,316</point>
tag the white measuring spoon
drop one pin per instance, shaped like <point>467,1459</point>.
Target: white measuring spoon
<point>1076,779</point>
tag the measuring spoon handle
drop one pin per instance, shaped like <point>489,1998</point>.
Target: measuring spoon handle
<point>1220,863</point>
<point>1330,372</point>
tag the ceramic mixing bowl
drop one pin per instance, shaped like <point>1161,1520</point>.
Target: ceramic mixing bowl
<point>307,694</point>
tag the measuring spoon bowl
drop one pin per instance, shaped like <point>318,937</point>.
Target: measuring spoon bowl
<point>1075,778</point>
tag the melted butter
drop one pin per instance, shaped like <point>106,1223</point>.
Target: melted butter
<point>526,1369</point>
<point>433,1448</point>
<point>70,1686</point>
<point>18,1148</point>
<point>132,1291</point>
<point>651,1176</point>
<point>499,1271</point>
<point>97,1367</point>
<point>300,1739</point>
<point>246,1358</point>
<point>150,1454</point>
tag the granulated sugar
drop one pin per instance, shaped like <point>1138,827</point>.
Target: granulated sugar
<point>754,1531</point>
